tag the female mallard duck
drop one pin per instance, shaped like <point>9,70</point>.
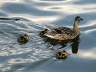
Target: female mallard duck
<point>64,33</point>
<point>23,39</point>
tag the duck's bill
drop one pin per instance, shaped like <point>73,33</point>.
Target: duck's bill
<point>81,19</point>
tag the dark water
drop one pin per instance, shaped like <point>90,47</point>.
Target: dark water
<point>35,15</point>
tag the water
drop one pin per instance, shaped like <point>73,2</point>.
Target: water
<point>36,15</point>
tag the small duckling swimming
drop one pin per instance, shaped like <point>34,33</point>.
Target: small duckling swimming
<point>23,39</point>
<point>61,54</point>
<point>64,33</point>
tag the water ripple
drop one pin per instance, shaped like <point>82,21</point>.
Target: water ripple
<point>36,15</point>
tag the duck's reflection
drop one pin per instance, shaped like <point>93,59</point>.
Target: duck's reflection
<point>75,45</point>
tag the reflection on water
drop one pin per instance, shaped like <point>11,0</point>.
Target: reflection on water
<point>75,45</point>
<point>9,19</point>
<point>36,15</point>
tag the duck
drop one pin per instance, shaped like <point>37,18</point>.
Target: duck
<point>61,55</point>
<point>63,33</point>
<point>23,39</point>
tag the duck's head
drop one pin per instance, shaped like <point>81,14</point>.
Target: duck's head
<point>43,32</point>
<point>76,25</point>
<point>78,18</point>
<point>46,30</point>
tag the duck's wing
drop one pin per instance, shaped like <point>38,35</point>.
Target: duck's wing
<point>64,30</point>
<point>62,37</point>
<point>61,33</point>
<point>59,36</point>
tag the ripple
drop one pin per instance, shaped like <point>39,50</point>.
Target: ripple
<point>22,8</point>
<point>84,2</point>
<point>87,54</point>
<point>36,15</point>
<point>52,1</point>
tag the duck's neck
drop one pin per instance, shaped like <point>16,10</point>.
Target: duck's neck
<point>76,28</point>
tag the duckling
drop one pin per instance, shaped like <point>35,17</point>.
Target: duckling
<point>64,33</point>
<point>61,54</point>
<point>23,39</point>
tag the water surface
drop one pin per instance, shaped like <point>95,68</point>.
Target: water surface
<point>36,15</point>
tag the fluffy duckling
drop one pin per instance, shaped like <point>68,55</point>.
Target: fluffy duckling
<point>61,54</point>
<point>23,39</point>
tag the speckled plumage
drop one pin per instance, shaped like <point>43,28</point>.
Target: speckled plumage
<point>61,33</point>
<point>64,33</point>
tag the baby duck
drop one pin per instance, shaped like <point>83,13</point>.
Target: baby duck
<point>23,39</point>
<point>61,54</point>
<point>64,33</point>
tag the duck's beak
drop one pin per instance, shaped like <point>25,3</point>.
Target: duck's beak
<point>81,19</point>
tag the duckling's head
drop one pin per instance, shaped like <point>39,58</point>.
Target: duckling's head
<point>62,54</point>
<point>23,39</point>
<point>78,18</point>
<point>25,35</point>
